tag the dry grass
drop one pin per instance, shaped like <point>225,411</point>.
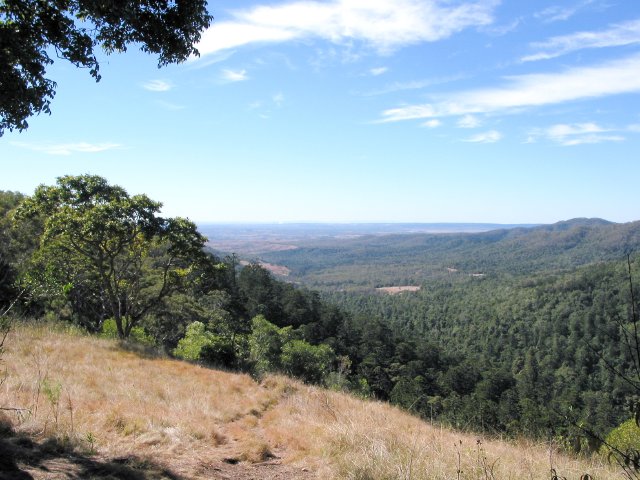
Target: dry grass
<point>88,391</point>
<point>352,439</point>
<point>112,403</point>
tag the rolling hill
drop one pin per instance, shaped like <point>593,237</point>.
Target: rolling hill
<point>410,259</point>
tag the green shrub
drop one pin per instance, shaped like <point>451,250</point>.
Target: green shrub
<point>194,341</point>
<point>219,351</point>
<point>308,362</point>
<point>110,330</point>
<point>625,437</point>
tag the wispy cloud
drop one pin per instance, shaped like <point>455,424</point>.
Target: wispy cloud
<point>433,123</point>
<point>378,71</point>
<point>469,121</point>
<point>617,35</point>
<point>382,25</point>
<point>557,13</point>
<point>500,30</point>
<point>492,136</point>
<point>576,134</point>
<point>278,99</point>
<point>197,63</point>
<point>234,75</point>
<point>68,148</point>
<point>412,85</point>
<point>157,86</point>
<point>533,90</point>
<point>170,105</point>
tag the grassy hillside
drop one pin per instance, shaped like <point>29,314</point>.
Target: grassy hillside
<point>93,409</point>
<point>411,259</point>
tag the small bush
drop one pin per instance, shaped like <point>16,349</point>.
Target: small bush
<point>218,351</point>
<point>137,334</point>
<point>194,341</point>
<point>625,437</point>
<point>308,362</point>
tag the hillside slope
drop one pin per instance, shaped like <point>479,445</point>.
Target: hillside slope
<point>413,258</point>
<point>96,410</point>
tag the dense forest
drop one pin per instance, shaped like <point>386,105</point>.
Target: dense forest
<point>517,355</point>
<point>542,345</point>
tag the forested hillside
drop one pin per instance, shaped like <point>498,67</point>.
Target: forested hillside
<point>409,259</point>
<point>512,355</point>
<point>542,344</point>
<point>516,330</point>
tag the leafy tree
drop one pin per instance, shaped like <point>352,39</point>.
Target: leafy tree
<point>30,30</point>
<point>8,272</point>
<point>309,362</point>
<point>409,394</point>
<point>260,293</point>
<point>265,344</point>
<point>101,241</point>
<point>195,339</point>
<point>168,322</point>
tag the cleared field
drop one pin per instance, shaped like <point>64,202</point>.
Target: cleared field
<point>395,290</point>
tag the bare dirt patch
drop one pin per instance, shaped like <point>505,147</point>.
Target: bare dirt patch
<point>280,270</point>
<point>396,290</point>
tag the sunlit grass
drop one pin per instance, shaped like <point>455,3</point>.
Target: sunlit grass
<point>114,402</point>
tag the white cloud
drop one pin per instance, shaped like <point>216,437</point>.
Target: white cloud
<point>68,148</point>
<point>500,30</point>
<point>385,26</point>
<point>590,139</point>
<point>617,35</point>
<point>234,75</point>
<point>634,128</point>
<point>564,130</point>
<point>433,123</point>
<point>492,136</point>
<point>378,71</point>
<point>469,121</point>
<point>533,90</point>
<point>157,86</point>
<point>557,13</point>
<point>576,134</point>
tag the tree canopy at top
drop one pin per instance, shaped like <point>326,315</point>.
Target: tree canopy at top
<point>30,30</point>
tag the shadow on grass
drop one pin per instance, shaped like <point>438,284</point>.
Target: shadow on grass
<point>23,459</point>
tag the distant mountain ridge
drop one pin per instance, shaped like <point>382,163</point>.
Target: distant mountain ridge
<point>412,257</point>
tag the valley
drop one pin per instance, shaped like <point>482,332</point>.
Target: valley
<point>520,332</point>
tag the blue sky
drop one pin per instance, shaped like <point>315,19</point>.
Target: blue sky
<point>506,111</point>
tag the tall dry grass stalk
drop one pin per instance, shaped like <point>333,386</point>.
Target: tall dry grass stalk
<point>112,403</point>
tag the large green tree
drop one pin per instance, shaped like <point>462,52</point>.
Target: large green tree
<point>31,31</point>
<point>110,250</point>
